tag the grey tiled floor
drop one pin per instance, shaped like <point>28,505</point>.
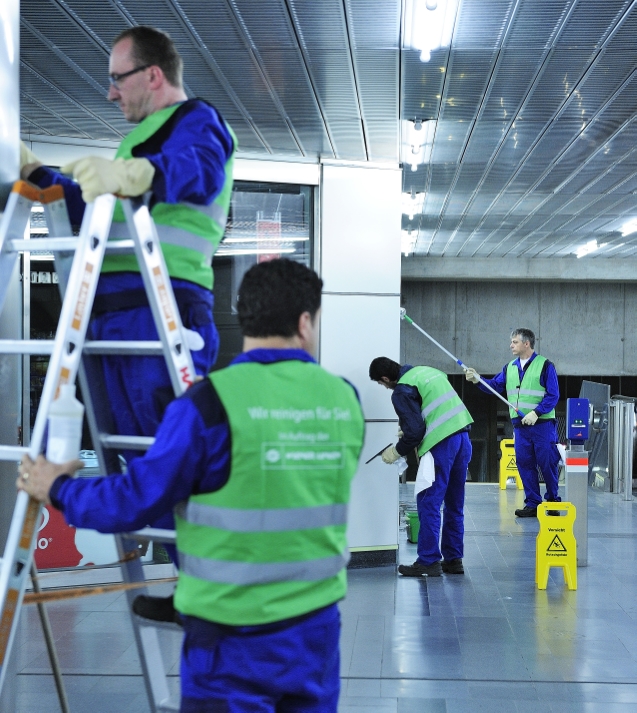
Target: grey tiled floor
<point>485,641</point>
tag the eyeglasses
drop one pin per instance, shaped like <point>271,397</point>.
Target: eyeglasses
<point>114,79</point>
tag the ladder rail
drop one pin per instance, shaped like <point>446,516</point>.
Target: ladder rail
<point>63,368</point>
<point>160,295</point>
<point>76,310</point>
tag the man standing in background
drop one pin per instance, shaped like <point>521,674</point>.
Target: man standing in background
<point>530,383</point>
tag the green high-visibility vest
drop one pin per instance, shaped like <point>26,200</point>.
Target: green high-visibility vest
<point>189,233</point>
<point>528,394</point>
<point>270,544</point>
<point>442,410</point>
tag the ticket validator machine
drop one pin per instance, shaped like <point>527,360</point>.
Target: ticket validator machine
<point>577,429</point>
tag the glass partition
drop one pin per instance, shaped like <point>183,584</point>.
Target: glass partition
<point>267,220</point>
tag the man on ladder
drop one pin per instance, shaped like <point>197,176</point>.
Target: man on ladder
<point>180,157</point>
<point>261,485</point>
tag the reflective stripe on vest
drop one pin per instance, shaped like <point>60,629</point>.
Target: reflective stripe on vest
<point>244,574</point>
<point>214,211</point>
<point>435,403</point>
<point>278,520</point>
<point>172,236</point>
<point>446,417</point>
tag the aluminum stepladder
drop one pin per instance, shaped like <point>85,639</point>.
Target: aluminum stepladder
<point>78,262</point>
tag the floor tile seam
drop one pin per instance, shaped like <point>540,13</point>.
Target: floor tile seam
<point>90,675</point>
<point>513,681</point>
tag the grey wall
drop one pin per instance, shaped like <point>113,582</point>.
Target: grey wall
<point>584,328</point>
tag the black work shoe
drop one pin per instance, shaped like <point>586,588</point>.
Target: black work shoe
<point>156,608</point>
<point>452,566</point>
<point>418,570</point>
<point>526,511</point>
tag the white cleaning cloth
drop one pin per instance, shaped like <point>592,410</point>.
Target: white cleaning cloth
<point>426,473</point>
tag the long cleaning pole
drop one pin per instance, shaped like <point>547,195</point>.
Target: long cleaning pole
<point>403,315</point>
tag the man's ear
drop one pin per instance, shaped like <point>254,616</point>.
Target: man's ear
<point>157,77</point>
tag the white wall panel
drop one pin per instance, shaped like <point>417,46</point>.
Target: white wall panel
<point>360,266</point>
<point>373,513</point>
<point>360,216</point>
<point>354,330</point>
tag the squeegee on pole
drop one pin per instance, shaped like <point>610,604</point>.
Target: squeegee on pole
<point>403,315</point>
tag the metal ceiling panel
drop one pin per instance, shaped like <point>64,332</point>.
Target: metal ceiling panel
<point>535,145</point>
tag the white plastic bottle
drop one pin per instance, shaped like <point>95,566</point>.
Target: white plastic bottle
<point>65,426</point>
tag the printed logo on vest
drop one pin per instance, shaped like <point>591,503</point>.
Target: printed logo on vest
<point>301,456</point>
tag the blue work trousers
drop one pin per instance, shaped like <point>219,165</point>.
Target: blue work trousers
<point>292,669</point>
<point>139,388</point>
<point>451,458</point>
<point>535,446</point>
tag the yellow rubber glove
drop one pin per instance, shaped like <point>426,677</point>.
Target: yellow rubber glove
<point>390,455</point>
<point>472,376</point>
<point>124,177</point>
<point>27,156</point>
<point>530,419</point>
<point>28,162</point>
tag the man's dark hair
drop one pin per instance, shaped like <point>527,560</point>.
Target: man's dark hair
<point>384,366</point>
<point>154,47</point>
<point>526,335</point>
<point>274,294</point>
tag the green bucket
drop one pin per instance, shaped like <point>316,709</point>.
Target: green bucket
<point>413,525</point>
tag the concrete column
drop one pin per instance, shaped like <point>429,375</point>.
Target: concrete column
<point>360,266</point>
<point>10,319</point>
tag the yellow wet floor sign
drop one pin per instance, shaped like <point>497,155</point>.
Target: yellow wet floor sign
<point>555,545</point>
<point>508,466</point>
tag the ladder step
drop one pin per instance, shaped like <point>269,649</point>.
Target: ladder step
<point>45,346</point>
<point>132,443</point>
<point>41,244</point>
<point>115,347</point>
<point>12,452</point>
<point>152,534</point>
<point>117,247</point>
<point>26,346</point>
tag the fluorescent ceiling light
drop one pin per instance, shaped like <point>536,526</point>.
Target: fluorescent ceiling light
<point>590,247</point>
<point>429,25</point>
<point>629,227</point>
<point>257,251</point>
<point>413,203</point>
<point>416,140</point>
<point>286,239</point>
<point>407,241</point>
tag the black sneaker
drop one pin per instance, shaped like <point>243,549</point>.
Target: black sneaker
<point>418,570</point>
<point>452,566</point>
<point>156,608</point>
<point>526,511</point>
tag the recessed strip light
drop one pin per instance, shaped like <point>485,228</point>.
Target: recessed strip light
<point>257,251</point>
